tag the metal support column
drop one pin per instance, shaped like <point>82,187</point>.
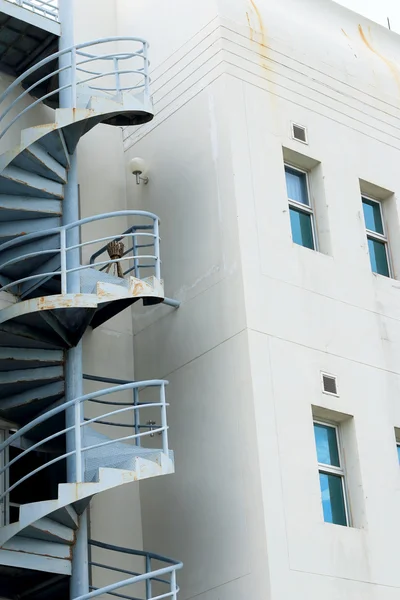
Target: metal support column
<point>74,379</point>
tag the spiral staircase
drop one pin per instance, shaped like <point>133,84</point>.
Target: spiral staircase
<point>117,434</point>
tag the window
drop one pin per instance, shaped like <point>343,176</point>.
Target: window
<point>398,451</point>
<point>301,213</point>
<point>331,474</point>
<point>377,240</point>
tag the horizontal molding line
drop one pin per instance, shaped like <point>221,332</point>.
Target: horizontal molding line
<point>197,87</point>
<point>316,69</point>
<point>254,48</point>
<point>232,60</point>
<point>321,86</point>
<point>298,99</point>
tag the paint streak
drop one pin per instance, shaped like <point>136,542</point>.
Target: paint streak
<point>391,65</point>
<point>344,33</point>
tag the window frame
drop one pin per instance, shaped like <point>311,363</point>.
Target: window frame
<point>373,235</point>
<point>307,209</point>
<point>332,470</point>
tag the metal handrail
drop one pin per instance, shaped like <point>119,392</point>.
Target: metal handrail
<point>70,61</point>
<point>46,8</point>
<point>76,431</point>
<point>150,262</point>
<point>165,577</point>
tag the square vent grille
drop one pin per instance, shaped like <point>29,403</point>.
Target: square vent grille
<point>299,133</point>
<point>329,385</point>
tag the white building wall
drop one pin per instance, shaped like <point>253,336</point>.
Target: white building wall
<point>208,513</point>
<point>256,68</point>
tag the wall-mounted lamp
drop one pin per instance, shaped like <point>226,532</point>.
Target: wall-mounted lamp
<point>139,169</point>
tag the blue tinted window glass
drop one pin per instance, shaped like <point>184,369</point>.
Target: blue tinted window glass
<point>302,232</point>
<point>372,216</point>
<point>398,451</point>
<point>332,496</point>
<point>378,257</point>
<point>296,183</point>
<point>326,443</point>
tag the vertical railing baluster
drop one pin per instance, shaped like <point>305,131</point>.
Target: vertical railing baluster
<point>117,77</point>
<point>146,70</point>
<point>173,586</point>
<point>156,233</point>
<point>63,261</point>
<point>164,419</point>
<point>73,78</point>
<point>137,416</point>
<point>148,581</point>
<point>78,442</point>
<point>136,260</point>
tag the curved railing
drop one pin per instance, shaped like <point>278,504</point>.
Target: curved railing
<point>46,8</point>
<point>135,256</point>
<point>158,573</point>
<point>109,72</point>
<point>106,423</point>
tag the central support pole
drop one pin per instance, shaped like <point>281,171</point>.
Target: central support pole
<point>79,584</point>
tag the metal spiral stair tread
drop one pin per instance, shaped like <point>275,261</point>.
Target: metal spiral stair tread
<point>40,325</point>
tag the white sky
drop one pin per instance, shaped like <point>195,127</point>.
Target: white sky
<point>377,10</point>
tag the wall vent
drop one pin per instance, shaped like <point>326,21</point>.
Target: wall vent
<point>329,385</point>
<point>299,133</point>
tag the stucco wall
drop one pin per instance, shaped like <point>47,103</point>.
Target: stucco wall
<point>258,67</point>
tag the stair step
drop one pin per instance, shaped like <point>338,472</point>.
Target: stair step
<point>22,358</point>
<point>21,335</point>
<point>32,376</point>
<point>19,556</point>
<point>48,242</point>
<point>36,159</point>
<point>54,144</point>
<point>19,208</point>
<point>66,516</point>
<point>12,229</point>
<point>49,266</point>
<point>50,392</point>
<point>20,543</point>
<point>79,494</point>
<point>17,181</point>
<point>48,530</point>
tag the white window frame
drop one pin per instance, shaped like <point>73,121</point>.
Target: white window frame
<point>331,470</point>
<point>373,235</point>
<point>305,208</point>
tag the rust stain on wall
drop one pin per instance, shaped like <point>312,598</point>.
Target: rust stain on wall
<point>349,42</point>
<point>250,27</point>
<point>260,22</point>
<point>390,64</point>
<point>258,28</point>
